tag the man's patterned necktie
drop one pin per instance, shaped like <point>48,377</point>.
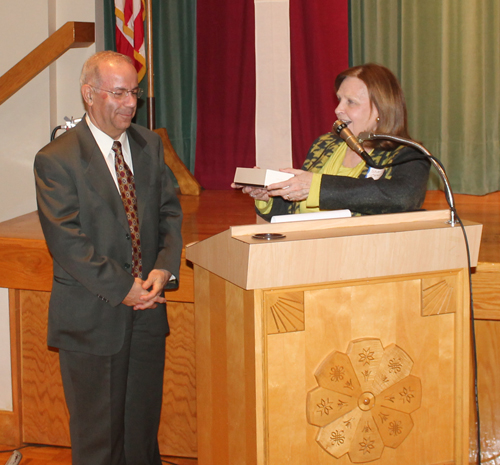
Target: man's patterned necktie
<point>126,185</point>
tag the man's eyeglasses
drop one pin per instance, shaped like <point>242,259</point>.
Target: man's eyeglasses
<point>121,94</point>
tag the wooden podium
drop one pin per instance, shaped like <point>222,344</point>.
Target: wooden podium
<point>346,341</point>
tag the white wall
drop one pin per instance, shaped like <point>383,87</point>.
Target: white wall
<point>28,118</point>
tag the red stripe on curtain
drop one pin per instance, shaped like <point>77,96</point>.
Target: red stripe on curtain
<point>225,90</point>
<point>319,36</point>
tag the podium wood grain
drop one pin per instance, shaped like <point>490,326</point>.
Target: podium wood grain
<point>399,278</point>
<point>228,406</point>
<point>177,434</point>
<point>255,381</point>
<point>335,316</point>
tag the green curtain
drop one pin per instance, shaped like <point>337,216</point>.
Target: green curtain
<point>446,55</point>
<point>174,52</point>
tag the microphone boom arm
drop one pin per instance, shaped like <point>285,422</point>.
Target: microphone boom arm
<point>411,143</point>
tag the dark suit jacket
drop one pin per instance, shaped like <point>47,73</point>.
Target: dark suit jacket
<point>87,233</point>
<point>399,189</point>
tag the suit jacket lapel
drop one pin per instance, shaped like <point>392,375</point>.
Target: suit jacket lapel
<point>98,174</point>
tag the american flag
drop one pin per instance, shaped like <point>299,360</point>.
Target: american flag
<point>130,15</point>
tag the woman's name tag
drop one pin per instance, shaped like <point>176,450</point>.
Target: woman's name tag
<point>375,173</point>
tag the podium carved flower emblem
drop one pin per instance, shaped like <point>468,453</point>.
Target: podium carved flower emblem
<point>364,400</point>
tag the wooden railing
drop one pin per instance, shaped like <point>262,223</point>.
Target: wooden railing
<point>71,35</point>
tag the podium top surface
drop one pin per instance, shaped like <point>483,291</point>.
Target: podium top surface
<point>337,249</point>
<point>352,226</point>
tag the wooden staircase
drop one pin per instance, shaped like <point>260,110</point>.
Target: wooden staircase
<point>71,35</point>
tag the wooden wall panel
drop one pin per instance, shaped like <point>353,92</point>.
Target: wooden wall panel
<point>45,416</point>
<point>10,421</point>
<point>486,291</point>
<point>488,354</point>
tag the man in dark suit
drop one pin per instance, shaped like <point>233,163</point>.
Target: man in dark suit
<point>115,237</point>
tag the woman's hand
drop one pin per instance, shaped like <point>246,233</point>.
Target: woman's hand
<point>294,189</point>
<point>258,193</point>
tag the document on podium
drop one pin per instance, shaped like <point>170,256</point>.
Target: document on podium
<point>325,215</point>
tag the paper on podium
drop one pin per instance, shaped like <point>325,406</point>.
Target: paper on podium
<point>325,215</point>
<point>257,177</point>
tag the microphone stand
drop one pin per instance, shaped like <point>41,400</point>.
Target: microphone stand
<point>401,140</point>
<point>453,220</point>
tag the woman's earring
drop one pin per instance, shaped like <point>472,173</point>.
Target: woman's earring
<point>378,119</point>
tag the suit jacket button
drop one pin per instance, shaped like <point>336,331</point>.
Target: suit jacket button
<point>127,236</point>
<point>126,265</point>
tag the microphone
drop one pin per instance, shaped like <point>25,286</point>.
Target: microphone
<point>352,141</point>
<point>354,144</point>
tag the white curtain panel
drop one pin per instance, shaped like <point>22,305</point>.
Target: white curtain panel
<point>273,123</point>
